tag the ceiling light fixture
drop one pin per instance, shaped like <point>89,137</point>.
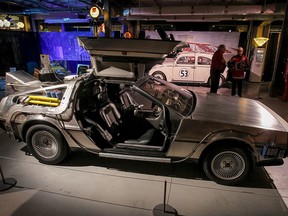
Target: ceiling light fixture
<point>260,41</point>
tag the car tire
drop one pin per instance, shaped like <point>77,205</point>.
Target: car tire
<point>227,166</point>
<point>221,81</point>
<point>160,75</point>
<point>46,144</point>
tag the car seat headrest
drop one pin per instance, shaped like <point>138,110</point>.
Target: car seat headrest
<point>102,97</point>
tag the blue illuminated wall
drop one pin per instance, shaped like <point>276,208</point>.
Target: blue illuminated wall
<point>63,46</point>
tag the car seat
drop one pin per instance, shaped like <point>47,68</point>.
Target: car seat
<point>112,118</point>
<point>126,100</point>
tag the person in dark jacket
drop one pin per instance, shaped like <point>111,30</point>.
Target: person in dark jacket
<point>238,65</point>
<point>218,66</point>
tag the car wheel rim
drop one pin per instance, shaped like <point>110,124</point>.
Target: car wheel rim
<point>159,76</point>
<point>228,165</point>
<point>45,144</point>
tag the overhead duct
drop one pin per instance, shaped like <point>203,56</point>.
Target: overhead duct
<point>204,13</point>
<point>196,10</point>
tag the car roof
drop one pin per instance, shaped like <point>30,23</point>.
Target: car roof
<point>194,54</point>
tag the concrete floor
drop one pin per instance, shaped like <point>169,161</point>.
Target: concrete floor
<point>89,185</point>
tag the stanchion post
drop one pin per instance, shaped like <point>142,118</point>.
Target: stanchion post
<point>163,209</point>
<point>2,176</point>
<point>7,183</point>
<point>165,186</point>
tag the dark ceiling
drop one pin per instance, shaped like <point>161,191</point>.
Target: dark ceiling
<point>177,10</point>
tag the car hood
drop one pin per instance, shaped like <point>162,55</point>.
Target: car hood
<point>238,111</point>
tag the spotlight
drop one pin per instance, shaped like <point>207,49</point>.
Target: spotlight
<point>95,12</point>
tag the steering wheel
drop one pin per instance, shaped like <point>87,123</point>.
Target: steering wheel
<point>137,108</point>
<point>157,112</point>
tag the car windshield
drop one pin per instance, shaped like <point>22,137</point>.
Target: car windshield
<point>173,96</point>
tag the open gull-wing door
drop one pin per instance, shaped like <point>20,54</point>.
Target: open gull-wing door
<point>124,58</point>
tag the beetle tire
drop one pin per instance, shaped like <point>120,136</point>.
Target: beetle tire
<point>227,166</point>
<point>221,81</point>
<point>160,75</point>
<point>46,144</point>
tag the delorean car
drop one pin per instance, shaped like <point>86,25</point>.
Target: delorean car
<point>115,112</point>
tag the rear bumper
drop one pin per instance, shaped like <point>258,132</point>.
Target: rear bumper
<point>270,162</point>
<point>272,156</point>
<point>273,152</point>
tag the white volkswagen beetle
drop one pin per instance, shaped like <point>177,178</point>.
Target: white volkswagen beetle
<point>187,67</point>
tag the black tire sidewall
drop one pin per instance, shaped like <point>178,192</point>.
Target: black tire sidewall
<point>62,145</point>
<point>159,73</point>
<point>221,81</point>
<point>207,166</point>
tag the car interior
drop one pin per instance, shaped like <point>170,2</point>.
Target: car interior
<point>112,118</point>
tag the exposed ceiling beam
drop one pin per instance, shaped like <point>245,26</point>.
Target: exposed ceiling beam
<point>204,18</point>
<point>202,13</point>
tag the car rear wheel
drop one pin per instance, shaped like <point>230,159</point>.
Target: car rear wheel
<point>160,75</point>
<point>46,144</point>
<point>227,166</point>
<point>221,81</point>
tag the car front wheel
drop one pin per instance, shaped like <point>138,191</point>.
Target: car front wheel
<point>46,144</point>
<point>227,166</point>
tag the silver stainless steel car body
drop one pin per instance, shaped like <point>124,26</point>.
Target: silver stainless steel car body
<point>110,114</point>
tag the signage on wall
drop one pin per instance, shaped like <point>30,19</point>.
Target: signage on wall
<point>203,41</point>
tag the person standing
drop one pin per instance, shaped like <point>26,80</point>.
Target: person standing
<point>238,65</point>
<point>218,66</point>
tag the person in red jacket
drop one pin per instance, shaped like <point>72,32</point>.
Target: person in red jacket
<point>218,66</point>
<point>238,65</point>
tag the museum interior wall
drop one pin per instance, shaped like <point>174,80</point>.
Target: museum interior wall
<point>26,37</point>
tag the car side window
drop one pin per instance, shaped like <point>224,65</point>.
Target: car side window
<point>146,108</point>
<point>186,60</point>
<point>203,60</point>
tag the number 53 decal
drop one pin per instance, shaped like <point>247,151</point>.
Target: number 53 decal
<point>183,73</point>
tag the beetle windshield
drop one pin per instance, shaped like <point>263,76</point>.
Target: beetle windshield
<point>173,96</point>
